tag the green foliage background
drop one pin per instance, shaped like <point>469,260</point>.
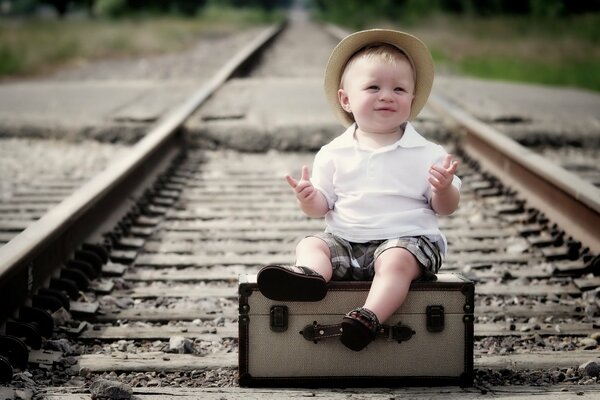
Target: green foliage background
<point>551,42</point>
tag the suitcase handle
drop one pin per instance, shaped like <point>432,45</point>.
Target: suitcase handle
<point>315,332</point>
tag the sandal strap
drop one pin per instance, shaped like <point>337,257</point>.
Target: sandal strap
<point>303,270</point>
<point>366,317</point>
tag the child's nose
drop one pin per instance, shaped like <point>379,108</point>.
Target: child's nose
<point>385,95</point>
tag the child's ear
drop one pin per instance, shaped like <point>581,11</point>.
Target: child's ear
<point>344,102</point>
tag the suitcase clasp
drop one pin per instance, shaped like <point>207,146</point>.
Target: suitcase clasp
<point>279,318</point>
<point>435,318</point>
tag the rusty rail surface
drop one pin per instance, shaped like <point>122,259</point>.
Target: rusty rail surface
<point>566,199</point>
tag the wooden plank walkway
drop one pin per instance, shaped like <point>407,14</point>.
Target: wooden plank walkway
<point>561,392</point>
<point>160,361</point>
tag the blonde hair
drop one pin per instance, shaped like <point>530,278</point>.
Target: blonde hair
<point>381,52</point>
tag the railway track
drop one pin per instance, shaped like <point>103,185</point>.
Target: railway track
<point>158,314</point>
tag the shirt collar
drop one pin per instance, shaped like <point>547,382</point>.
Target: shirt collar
<point>410,138</point>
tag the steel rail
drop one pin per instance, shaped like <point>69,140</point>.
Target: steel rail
<point>33,256</point>
<point>567,200</point>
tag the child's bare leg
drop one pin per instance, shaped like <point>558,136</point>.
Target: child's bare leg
<point>395,269</point>
<point>314,253</point>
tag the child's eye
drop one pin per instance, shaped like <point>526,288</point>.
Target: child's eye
<point>400,89</point>
<point>373,87</point>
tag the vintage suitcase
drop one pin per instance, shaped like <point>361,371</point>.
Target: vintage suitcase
<point>428,341</point>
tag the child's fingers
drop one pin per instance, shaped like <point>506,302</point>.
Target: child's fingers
<point>439,172</point>
<point>304,177</point>
<point>305,192</point>
<point>305,173</point>
<point>435,184</point>
<point>453,167</point>
<point>291,181</point>
<point>448,167</point>
<point>447,161</point>
<point>438,175</point>
<point>449,164</point>
<point>439,182</point>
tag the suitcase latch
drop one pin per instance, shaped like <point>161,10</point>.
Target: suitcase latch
<point>435,318</point>
<point>279,318</point>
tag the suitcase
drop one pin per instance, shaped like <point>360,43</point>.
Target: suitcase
<point>427,342</point>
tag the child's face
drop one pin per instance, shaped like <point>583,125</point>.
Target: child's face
<point>379,94</point>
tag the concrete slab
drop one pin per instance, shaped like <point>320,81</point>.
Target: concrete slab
<point>90,109</point>
<point>258,114</point>
<point>263,113</point>
<point>114,99</point>
<point>531,114</point>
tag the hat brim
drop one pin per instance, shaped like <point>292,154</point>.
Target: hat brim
<point>413,47</point>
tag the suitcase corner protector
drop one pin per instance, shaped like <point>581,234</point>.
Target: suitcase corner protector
<point>245,379</point>
<point>466,379</point>
<point>245,290</point>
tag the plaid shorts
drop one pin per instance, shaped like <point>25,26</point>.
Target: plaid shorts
<point>356,261</point>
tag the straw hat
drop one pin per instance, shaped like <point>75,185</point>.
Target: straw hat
<point>414,48</point>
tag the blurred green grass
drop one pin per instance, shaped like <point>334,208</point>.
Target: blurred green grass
<point>553,51</point>
<point>582,73</point>
<point>553,42</point>
<point>561,52</point>
<point>31,46</point>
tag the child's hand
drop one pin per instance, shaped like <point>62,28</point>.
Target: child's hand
<point>304,189</point>
<point>441,177</point>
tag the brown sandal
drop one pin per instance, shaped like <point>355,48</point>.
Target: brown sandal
<point>296,283</point>
<point>359,328</point>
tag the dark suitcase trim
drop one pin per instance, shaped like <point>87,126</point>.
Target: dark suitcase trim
<point>464,380</point>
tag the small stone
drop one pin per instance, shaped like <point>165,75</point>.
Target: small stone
<point>61,317</point>
<point>590,368</point>
<point>588,343</point>
<point>122,345</point>
<point>23,394</point>
<point>525,328</point>
<point>154,383</point>
<point>106,389</point>
<point>558,376</point>
<point>61,345</point>
<point>181,345</point>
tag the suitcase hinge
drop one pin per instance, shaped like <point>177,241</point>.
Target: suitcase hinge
<point>435,318</point>
<point>279,318</point>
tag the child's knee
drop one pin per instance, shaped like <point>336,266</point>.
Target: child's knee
<point>312,244</point>
<point>398,261</point>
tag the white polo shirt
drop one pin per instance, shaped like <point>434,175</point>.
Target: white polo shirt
<point>379,194</point>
